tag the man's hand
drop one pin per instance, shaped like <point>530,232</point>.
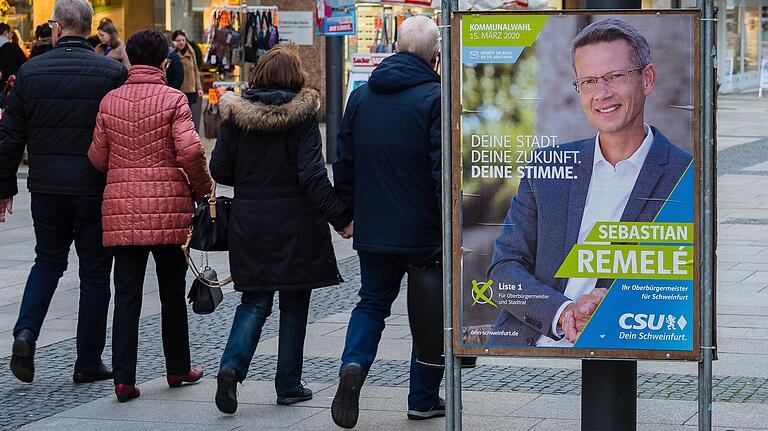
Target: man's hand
<point>568,322</point>
<point>587,304</point>
<point>5,205</point>
<point>576,315</point>
<point>347,232</point>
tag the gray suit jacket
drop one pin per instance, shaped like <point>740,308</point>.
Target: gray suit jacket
<point>542,225</point>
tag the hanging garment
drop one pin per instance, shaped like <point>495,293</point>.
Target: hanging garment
<point>274,37</point>
<point>250,51</point>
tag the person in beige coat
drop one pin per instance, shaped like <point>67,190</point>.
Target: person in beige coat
<point>192,86</point>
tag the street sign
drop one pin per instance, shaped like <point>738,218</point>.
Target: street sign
<point>336,17</point>
<point>573,245</point>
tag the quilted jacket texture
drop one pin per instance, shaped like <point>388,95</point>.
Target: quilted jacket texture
<point>146,142</point>
<point>52,112</point>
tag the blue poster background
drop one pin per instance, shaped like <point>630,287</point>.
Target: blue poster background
<point>622,319</point>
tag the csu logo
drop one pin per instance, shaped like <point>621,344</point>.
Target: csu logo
<point>482,293</point>
<point>652,321</point>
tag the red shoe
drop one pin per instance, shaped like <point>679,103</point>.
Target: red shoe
<point>126,392</point>
<point>194,374</point>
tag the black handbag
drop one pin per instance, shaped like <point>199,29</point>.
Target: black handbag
<point>425,312</point>
<point>210,223</point>
<point>208,232</point>
<point>204,298</point>
<point>211,121</point>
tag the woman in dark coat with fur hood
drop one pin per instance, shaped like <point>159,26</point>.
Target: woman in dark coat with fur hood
<point>269,148</point>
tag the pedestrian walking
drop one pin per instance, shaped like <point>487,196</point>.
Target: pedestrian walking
<point>52,112</point>
<point>192,86</point>
<point>270,150</point>
<point>175,70</point>
<point>11,54</point>
<point>110,43</point>
<point>156,170</point>
<point>389,166</point>
<point>42,43</point>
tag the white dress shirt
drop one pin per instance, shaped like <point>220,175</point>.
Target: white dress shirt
<point>608,194</point>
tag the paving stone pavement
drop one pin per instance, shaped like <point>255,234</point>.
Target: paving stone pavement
<point>21,404</point>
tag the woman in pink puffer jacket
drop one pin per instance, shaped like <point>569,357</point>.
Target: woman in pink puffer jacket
<point>146,142</point>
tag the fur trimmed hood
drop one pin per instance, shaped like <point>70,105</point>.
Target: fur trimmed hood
<point>269,110</point>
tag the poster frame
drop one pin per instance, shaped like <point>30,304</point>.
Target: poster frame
<point>458,348</point>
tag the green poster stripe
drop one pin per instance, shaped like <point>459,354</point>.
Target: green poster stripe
<point>501,30</point>
<point>678,233</point>
<point>628,261</point>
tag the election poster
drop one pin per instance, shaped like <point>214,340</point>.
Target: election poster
<point>576,170</point>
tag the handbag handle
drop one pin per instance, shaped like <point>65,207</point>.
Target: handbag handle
<point>196,272</point>
<point>212,202</point>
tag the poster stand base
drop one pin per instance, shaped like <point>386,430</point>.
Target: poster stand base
<point>608,395</point>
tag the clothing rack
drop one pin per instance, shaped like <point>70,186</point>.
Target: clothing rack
<point>242,11</point>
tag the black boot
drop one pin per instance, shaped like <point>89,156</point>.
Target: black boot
<point>23,358</point>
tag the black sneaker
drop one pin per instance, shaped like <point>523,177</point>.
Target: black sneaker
<point>346,404</point>
<point>23,356</point>
<point>305,394</point>
<point>226,391</point>
<point>437,411</point>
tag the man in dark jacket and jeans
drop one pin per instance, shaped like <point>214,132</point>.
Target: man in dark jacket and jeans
<point>389,172</point>
<point>52,111</point>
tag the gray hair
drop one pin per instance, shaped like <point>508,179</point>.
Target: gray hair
<point>419,36</point>
<point>609,30</point>
<point>74,16</point>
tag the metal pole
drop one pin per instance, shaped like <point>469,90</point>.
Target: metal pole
<point>458,410</point>
<point>609,386</point>
<point>707,214</point>
<point>334,89</point>
<point>452,368</point>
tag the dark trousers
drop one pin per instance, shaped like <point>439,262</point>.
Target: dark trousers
<point>250,316</point>
<point>58,221</point>
<point>195,107</point>
<point>130,266</point>
<point>381,276</point>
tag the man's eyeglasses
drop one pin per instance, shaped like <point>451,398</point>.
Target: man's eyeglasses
<point>51,22</point>
<point>588,84</point>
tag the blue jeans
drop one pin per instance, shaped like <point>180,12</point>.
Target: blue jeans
<point>250,316</point>
<point>58,221</point>
<point>381,277</point>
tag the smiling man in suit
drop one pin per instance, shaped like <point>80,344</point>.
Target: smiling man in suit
<point>625,173</point>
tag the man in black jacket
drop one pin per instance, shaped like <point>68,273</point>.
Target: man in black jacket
<point>52,111</point>
<point>389,172</point>
<point>11,55</point>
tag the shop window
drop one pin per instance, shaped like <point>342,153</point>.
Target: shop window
<point>764,32</point>
<point>733,41</point>
<point>751,39</point>
<point>18,14</point>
